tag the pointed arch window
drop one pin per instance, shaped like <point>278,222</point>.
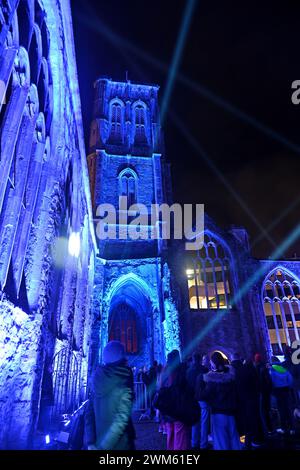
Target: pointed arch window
<point>208,275</point>
<point>116,121</point>
<point>281,302</point>
<point>140,123</point>
<point>128,185</point>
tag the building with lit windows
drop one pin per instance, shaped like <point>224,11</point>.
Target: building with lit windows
<point>152,294</point>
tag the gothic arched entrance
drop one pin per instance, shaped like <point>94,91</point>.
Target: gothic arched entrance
<point>130,320</point>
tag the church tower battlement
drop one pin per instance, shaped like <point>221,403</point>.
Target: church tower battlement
<point>127,158</point>
<point>126,118</point>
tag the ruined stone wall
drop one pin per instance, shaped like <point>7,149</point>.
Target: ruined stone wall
<point>44,197</point>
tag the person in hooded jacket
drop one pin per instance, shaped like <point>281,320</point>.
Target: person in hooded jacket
<point>108,418</point>
<point>219,391</point>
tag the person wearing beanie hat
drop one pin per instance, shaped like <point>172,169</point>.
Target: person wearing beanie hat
<point>113,352</point>
<point>108,418</point>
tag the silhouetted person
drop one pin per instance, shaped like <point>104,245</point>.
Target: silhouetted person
<point>200,431</point>
<point>249,391</point>
<point>237,364</point>
<point>265,386</point>
<point>178,433</point>
<point>149,379</point>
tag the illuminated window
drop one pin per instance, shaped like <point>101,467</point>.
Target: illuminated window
<point>139,114</point>
<point>116,121</point>
<point>128,185</point>
<point>281,299</point>
<point>123,327</point>
<point>209,276</point>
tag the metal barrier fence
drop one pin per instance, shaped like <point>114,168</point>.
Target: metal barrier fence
<point>141,397</point>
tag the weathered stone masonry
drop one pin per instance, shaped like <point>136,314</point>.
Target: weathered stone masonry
<point>44,196</point>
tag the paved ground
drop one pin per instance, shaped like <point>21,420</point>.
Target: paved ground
<point>147,435</point>
<point>148,438</point>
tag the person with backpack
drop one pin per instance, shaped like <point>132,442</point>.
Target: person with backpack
<point>219,391</point>
<point>108,418</point>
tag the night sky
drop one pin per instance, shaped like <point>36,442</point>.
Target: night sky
<point>246,53</point>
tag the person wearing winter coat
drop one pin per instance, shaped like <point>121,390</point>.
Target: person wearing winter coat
<point>108,418</point>
<point>219,391</point>
<point>282,382</point>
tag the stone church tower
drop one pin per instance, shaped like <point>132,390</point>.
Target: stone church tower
<point>131,288</point>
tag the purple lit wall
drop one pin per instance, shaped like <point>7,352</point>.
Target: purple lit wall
<point>44,197</point>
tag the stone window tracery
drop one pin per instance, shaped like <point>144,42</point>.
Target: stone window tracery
<point>208,276</point>
<point>281,302</point>
<point>140,123</point>
<point>128,185</point>
<point>116,121</point>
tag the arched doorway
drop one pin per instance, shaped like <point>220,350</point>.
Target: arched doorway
<point>130,319</point>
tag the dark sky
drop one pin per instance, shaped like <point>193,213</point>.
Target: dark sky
<point>244,52</point>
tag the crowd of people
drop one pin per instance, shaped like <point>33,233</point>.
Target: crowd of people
<point>242,402</point>
<point>201,403</point>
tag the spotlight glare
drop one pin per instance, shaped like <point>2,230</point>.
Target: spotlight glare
<point>74,244</point>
